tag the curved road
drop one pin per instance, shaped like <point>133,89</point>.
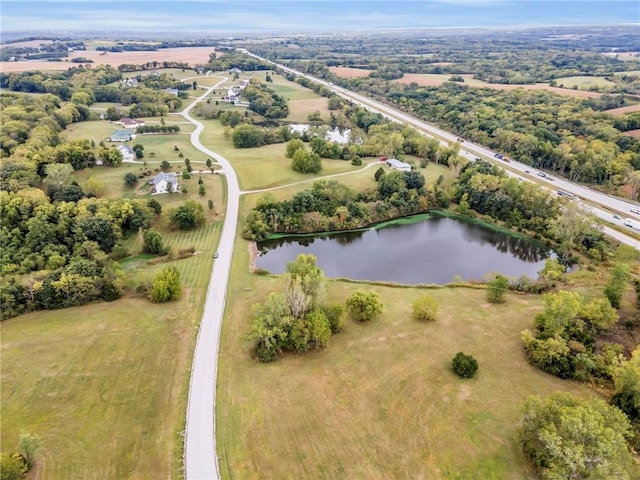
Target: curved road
<point>201,460</point>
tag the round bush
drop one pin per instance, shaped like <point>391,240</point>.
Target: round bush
<point>465,366</point>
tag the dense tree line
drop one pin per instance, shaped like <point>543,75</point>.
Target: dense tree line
<point>331,206</point>
<point>158,129</point>
<point>60,84</point>
<point>56,255</point>
<point>232,59</point>
<point>264,101</point>
<point>535,127</point>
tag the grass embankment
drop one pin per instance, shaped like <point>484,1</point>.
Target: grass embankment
<point>381,401</point>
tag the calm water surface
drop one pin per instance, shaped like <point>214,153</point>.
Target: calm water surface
<point>434,250</point>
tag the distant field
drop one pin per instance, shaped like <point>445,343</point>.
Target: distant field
<point>191,55</point>
<point>583,82</point>
<point>349,72</point>
<point>28,43</point>
<point>622,110</point>
<point>435,79</point>
<point>623,55</point>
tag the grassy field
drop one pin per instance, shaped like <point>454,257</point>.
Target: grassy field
<point>583,82</point>
<point>301,101</point>
<point>105,385</point>
<point>263,167</point>
<point>102,388</point>
<point>381,401</point>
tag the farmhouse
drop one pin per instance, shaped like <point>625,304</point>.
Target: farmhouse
<point>235,70</point>
<point>164,183</point>
<point>232,96</point>
<point>131,123</point>
<point>122,136</point>
<point>172,91</point>
<point>127,153</point>
<point>398,165</point>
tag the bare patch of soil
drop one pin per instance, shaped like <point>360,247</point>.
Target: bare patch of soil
<point>190,55</point>
<point>622,110</point>
<point>349,72</point>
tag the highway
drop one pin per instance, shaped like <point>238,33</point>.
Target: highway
<point>601,205</point>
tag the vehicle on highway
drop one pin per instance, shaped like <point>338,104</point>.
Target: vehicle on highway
<point>568,195</point>
<point>632,223</point>
<point>541,174</point>
<point>527,171</point>
<point>636,211</point>
<point>617,217</point>
<point>215,255</point>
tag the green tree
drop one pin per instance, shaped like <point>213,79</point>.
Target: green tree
<point>166,285</point>
<point>305,268</point>
<point>110,156</point>
<point>130,179</point>
<point>496,289</point>
<point>12,466</point>
<point>627,383</point>
<point>293,146</point>
<point>58,174</point>
<point>201,191</point>
<point>208,163</point>
<point>270,327</point>
<point>165,165</point>
<point>572,224</point>
<point>306,162</point>
<point>465,366</point>
<point>152,243</point>
<point>188,216</point>
<point>94,186</point>
<point>29,446</point>
<point>154,205</point>
<point>364,305</point>
<point>569,438</point>
<point>617,283</point>
<point>425,308</point>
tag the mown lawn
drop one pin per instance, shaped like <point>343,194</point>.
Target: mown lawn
<point>263,167</point>
<point>381,401</point>
<point>103,385</point>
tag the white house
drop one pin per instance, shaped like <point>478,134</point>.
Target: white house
<point>131,123</point>
<point>161,182</point>
<point>172,91</point>
<point>398,165</point>
<point>127,153</point>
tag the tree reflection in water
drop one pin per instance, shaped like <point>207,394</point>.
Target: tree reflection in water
<point>433,250</point>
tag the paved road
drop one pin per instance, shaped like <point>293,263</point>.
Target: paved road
<point>201,460</point>
<point>602,205</point>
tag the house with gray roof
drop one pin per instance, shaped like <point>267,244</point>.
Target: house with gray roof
<point>122,136</point>
<point>164,182</point>
<point>398,165</point>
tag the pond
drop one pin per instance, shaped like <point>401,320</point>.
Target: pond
<point>338,135</point>
<point>416,250</point>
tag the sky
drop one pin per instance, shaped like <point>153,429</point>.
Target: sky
<point>301,16</point>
